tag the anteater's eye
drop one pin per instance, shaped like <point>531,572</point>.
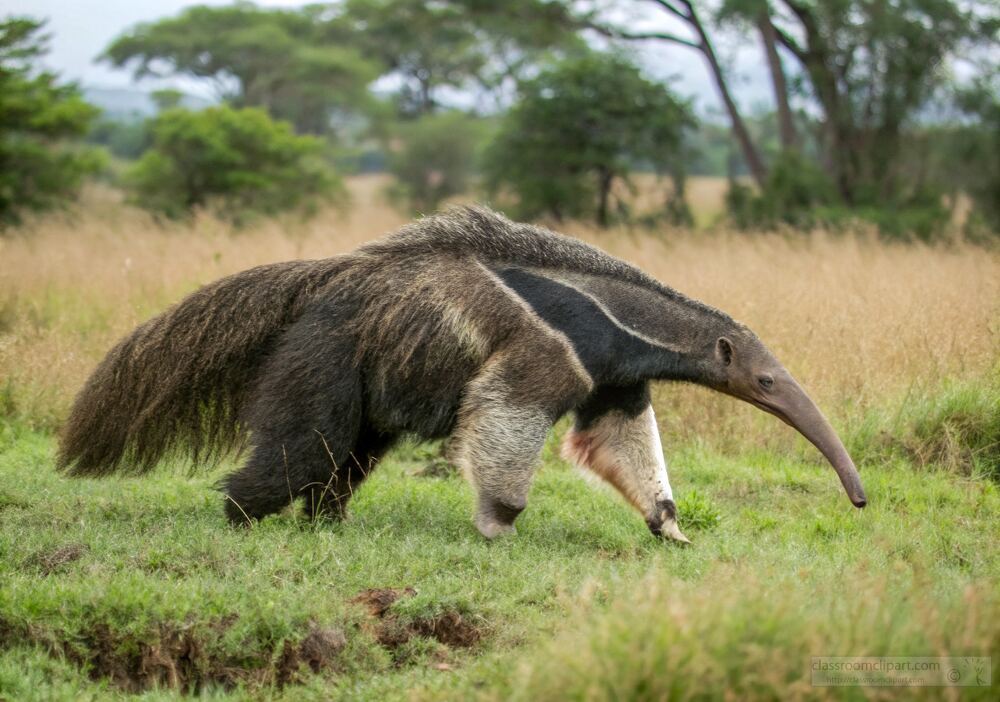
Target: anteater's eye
<point>766,381</point>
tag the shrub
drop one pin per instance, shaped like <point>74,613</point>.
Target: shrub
<point>123,138</point>
<point>733,636</point>
<point>696,511</point>
<point>579,128</point>
<point>238,162</point>
<point>800,195</point>
<point>794,190</point>
<point>434,158</point>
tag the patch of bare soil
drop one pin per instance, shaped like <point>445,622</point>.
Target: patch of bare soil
<point>183,657</point>
<point>450,627</point>
<point>318,650</point>
<point>378,601</point>
<point>50,562</point>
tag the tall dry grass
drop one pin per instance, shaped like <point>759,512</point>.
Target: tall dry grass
<point>72,284</point>
<point>858,321</point>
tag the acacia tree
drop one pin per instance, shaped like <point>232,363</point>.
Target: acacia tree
<point>427,45</point>
<point>470,45</point>
<point>276,59</point>
<point>870,66</point>
<point>580,127</point>
<point>40,165</point>
<point>304,65</point>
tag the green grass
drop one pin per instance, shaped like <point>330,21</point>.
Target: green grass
<point>956,426</point>
<point>110,586</point>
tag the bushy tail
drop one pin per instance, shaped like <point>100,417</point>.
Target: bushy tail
<point>178,383</point>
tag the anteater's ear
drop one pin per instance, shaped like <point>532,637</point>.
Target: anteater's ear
<point>724,350</point>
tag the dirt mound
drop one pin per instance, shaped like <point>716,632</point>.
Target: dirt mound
<point>182,657</point>
<point>52,561</point>
<point>378,601</point>
<point>450,627</point>
<point>319,650</point>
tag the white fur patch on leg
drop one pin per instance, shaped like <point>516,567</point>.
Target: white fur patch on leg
<point>626,452</point>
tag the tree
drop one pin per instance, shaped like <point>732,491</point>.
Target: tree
<point>238,162</point>
<point>434,158</point>
<point>275,59</point>
<point>518,37</point>
<point>430,47</point>
<point>758,14</point>
<point>580,127</point>
<point>40,166</point>
<point>697,38</point>
<point>972,153</point>
<point>125,138</point>
<point>871,65</point>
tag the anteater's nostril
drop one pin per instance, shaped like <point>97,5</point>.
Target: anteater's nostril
<point>860,502</point>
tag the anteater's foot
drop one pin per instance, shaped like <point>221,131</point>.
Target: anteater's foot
<point>496,518</point>
<point>252,493</point>
<point>492,529</point>
<point>663,522</point>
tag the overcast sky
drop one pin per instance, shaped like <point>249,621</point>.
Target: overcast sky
<point>81,29</point>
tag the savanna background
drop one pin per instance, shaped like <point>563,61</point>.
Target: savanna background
<point>828,173</point>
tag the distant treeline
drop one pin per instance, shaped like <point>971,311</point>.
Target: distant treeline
<point>868,121</point>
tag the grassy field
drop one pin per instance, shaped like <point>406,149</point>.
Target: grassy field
<point>125,586</point>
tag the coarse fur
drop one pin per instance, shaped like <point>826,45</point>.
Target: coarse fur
<point>463,325</point>
<point>179,381</point>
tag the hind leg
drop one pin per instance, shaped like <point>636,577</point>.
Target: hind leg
<point>299,464</point>
<point>304,420</point>
<point>328,498</point>
<point>506,413</point>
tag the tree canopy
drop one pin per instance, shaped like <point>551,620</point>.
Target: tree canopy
<point>428,48</point>
<point>236,161</point>
<point>869,114</point>
<point>871,67</point>
<point>279,60</point>
<point>580,127</point>
<point>40,167</point>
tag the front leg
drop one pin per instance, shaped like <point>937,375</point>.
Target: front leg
<point>616,437</point>
<point>506,413</point>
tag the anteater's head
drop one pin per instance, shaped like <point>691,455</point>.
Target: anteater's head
<point>741,366</point>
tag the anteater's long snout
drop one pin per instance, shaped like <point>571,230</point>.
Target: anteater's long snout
<point>798,410</point>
